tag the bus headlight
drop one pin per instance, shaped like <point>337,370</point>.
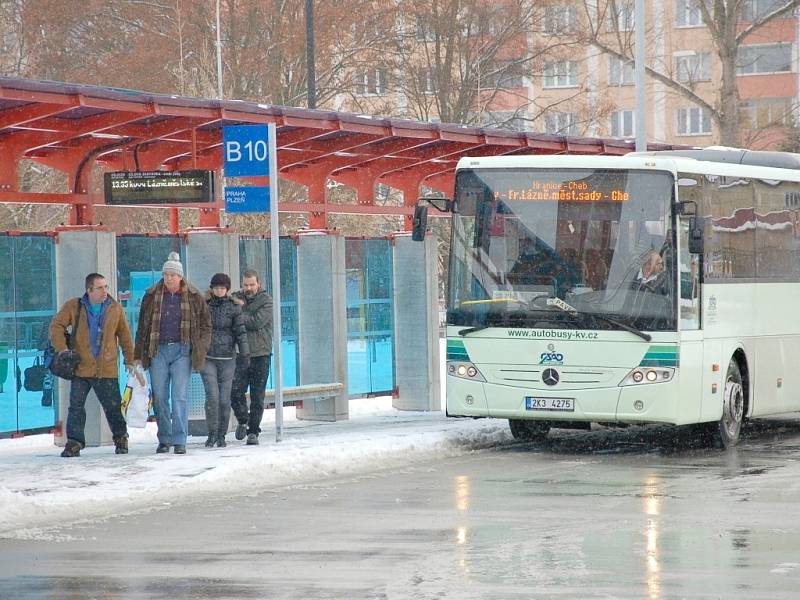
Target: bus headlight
<point>464,370</point>
<point>645,375</point>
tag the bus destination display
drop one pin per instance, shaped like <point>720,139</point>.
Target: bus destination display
<point>581,190</point>
<point>159,187</point>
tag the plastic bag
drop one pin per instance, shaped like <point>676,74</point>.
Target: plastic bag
<point>137,399</point>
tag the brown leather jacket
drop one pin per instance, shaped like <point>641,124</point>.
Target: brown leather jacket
<point>200,325</point>
<point>116,334</point>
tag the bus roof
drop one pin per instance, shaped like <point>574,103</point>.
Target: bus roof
<point>712,161</point>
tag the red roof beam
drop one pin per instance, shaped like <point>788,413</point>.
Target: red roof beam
<point>344,209</point>
<point>22,115</point>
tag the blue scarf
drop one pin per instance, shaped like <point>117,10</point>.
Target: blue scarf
<point>94,320</point>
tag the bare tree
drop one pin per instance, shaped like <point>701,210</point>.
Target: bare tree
<point>729,28</point>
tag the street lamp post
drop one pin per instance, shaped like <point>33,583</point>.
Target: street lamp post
<point>639,72</point>
<point>219,57</point>
<point>310,67</point>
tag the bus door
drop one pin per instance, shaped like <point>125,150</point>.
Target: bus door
<point>688,280</point>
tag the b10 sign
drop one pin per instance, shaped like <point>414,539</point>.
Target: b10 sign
<point>245,151</point>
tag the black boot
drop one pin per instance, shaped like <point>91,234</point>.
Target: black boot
<point>212,439</point>
<point>71,449</point>
<point>121,445</point>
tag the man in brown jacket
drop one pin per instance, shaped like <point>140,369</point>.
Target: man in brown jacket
<point>101,330</point>
<point>172,339</point>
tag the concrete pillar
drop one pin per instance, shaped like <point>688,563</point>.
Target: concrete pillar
<point>78,253</point>
<point>322,321</point>
<point>207,252</point>
<point>416,324</point>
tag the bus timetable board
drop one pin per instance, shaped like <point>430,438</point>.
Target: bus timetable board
<point>161,188</point>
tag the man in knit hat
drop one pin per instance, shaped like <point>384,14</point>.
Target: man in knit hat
<point>172,340</point>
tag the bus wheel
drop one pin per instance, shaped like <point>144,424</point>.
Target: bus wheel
<point>529,431</point>
<point>725,433</point>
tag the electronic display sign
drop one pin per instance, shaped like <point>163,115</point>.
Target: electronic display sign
<point>161,188</point>
<point>579,190</point>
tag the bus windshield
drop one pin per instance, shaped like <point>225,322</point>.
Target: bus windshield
<point>567,248</point>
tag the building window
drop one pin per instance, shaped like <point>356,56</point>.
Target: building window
<point>752,10</point>
<point>370,82</point>
<point>765,112</point>
<point>694,121</point>
<point>687,13</point>
<point>559,19</point>
<point>504,75</point>
<point>560,73</point>
<point>773,58</point>
<point>426,81</point>
<point>563,123</point>
<point>693,67</point>
<point>622,123</point>
<point>621,16</point>
<point>620,72</point>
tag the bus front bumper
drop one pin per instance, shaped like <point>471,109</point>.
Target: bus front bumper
<point>653,403</point>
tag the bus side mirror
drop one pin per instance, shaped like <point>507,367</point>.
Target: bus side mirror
<point>696,227</point>
<point>420,223</point>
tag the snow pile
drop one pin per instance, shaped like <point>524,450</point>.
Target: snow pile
<point>40,489</point>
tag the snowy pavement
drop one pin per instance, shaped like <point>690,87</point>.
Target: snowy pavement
<point>41,490</point>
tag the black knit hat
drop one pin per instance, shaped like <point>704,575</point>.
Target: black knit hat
<point>221,279</point>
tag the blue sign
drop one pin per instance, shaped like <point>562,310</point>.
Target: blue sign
<point>245,150</point>
<point>246,199</point>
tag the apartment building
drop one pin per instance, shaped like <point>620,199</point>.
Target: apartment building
<point>567,74</point>
<point>684,52</point>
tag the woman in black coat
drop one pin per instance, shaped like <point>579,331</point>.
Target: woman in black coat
<point>228,332</point>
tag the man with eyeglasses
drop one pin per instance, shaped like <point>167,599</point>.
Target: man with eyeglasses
<point>99,329</point>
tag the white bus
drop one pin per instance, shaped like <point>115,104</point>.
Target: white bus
<point>651,288</point>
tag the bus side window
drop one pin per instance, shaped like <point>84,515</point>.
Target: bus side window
<point>689,270</point>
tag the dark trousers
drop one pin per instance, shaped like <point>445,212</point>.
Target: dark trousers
<point>255,377</point>
<point>107,391</point>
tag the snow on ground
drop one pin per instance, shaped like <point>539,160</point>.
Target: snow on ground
<point>39,489</point>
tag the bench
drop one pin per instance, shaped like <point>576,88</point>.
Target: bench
<point>296,395</point>
<point>292,396</point>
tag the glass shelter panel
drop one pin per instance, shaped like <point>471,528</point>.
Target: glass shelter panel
<point>28,401</point>
<point>254,253</point>
<point>370,324</point>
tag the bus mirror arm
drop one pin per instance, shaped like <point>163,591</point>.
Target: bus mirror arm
<point>443,205</point>
<point>419,224</point>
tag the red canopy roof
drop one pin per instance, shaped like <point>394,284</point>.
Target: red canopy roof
<point>69,127</point>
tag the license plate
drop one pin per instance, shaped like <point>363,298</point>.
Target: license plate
<point>557,404</point>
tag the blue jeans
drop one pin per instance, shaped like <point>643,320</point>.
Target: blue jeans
<point>170,370</point>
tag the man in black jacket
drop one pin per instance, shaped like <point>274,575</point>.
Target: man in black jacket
<point>257,317</point>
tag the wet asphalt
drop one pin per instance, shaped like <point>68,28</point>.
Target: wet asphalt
<point>612,513</point>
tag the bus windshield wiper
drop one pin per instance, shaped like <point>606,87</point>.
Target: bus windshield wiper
<point>559,303</point>
<point>645,336</point>
<point>469,330</point>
